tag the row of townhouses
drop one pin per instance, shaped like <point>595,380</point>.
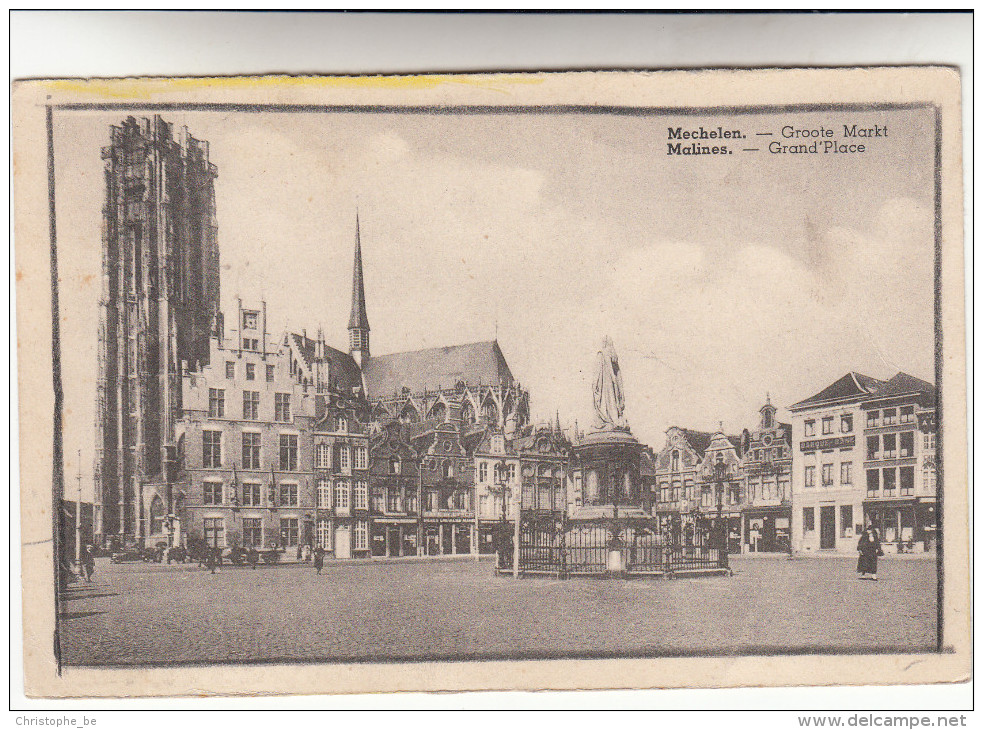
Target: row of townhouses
<point>231,437</point>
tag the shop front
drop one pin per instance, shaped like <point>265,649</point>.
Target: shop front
<point>768,530</point>
<point>905,525</point>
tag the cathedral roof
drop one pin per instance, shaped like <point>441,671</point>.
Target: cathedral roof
<point>436,368</point>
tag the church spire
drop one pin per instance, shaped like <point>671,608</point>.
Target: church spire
<point>358,323</point>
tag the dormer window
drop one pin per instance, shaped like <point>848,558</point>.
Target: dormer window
<point>498,444</point>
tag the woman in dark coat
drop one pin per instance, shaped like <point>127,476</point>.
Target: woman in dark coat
<point>869,547</point>
<point>318,559</point>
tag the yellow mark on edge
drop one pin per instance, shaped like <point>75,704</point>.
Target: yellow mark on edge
<point>145,88</point>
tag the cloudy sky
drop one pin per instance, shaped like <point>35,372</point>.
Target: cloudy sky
<point>720,278</point>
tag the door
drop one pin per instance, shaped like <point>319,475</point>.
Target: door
<point>827,528</point>
<point>343,543</point>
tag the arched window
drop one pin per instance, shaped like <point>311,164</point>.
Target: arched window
<point>439,412</point>
<point>489,411</point>
<point>467,413</point>
<point>675,460</point>
<point>447,469</point>
<point>157,515</point>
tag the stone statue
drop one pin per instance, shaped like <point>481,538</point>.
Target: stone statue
<point>609,393</point>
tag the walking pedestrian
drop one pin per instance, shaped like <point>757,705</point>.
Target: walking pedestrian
<point>869,548</point>
<point>253,557</point>
<point>210,558</point>
<point>318,559</point>
<point>88,563</point>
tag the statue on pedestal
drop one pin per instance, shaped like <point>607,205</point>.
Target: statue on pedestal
<point>609,394</point>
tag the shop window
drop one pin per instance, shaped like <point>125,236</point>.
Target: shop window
<point>846,520</point>
<point>214,531</point>
<point>808,519</point>
<point>252,532</point>
<point>289,531</point>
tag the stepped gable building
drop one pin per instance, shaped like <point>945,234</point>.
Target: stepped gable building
<point>678,480</point>
<point>827,491</point>
<point>245,445</point>
<point>900,464</point>
<point>396,491</point>
<point>160,297</point>
<point>767,464</point>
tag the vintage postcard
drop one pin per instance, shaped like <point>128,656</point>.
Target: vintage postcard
<point>527,381</point>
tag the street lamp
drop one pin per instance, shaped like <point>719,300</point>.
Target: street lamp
<point>503,489</point>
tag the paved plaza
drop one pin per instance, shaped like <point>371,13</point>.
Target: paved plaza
<point>152,614</point>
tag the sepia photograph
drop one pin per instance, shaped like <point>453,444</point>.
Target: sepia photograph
<point>421,377</point>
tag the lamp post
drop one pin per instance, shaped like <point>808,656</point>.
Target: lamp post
<point>502,489</point>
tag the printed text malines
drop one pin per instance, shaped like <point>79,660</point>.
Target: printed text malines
<point>701,134</point>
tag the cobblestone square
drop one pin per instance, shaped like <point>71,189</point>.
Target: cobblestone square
<point>456,609</point>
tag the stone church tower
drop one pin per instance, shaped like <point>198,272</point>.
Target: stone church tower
<point>358,322</point>
<point>159,303</point>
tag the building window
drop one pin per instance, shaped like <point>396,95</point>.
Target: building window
<point>872,418</point>
<point>323,494</point>
<point>810,428</point>
<point>929,478</point>
<point>211,449</point>
<point>361,536</point>
<point>873,481</point>
<point>846,423</point>
<point>249,320</point>
<point>322,456</point>
<point>907,414</point>
<point>288,452</point>
<point>250,371</point>
<point>890,446</point>
<point>269,373</point>
<point>411,503</point>
<point>846,519</point>
<point>361,495</point>
<point>216,403</point>
<point>907,481</point>
<point>341,424</point>
<point>361,457</point>
<point>250,450</point>
<point>214,532</point>
<point>211,492</point>
<point>288,495</point>
<point>929,441</point>
<point>827,425</point>
<point>230,370</point>
<point>808,519</point>
<point>873,447</point>
<point>907,444</point>
<point>282,407</point>
<point>289,531</point>
<point>675,461</point>
<point>252,532</point>
<point>378,501</point>
<point>393,501</point>
<point>810,476</point>
<point>250,494</point>
<point>344,458</point>
<point>890,482</point>
<point>846,473</point>
<point>341,495</point>
<point>664,492</point>
<point>322,534</point>
<point>250,405</point>
<point>394,466</point>
<point>890,416</point>
<point>827,475</point>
